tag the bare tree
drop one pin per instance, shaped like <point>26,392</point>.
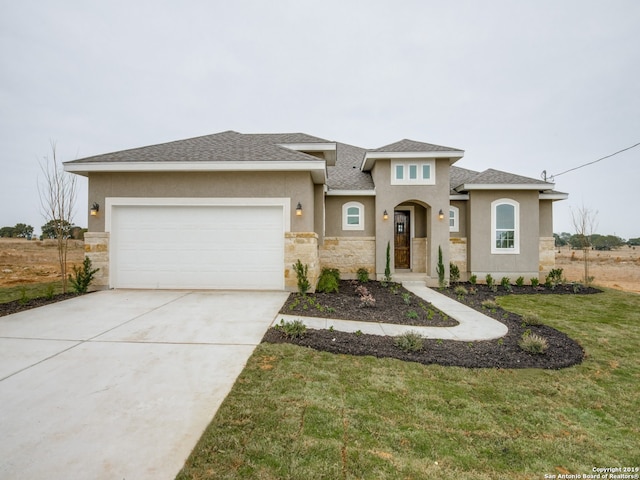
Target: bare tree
<point>584,223</point>
<point>57,191</point>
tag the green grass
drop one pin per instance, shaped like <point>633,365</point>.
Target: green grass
<point>297,413</point>
<point>8,294</point>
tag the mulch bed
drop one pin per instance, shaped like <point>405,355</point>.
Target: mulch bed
<point>501,353</point>
<point>16,306</point>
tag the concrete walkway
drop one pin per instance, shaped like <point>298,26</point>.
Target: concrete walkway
<point>472,325</point>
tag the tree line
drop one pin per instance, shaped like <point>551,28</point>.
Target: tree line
<point>594,241</point>
<point>50,230</point>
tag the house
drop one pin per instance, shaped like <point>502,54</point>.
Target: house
<point>233,210</point>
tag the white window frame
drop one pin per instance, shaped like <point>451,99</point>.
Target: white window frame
<point>345,216</point>
<point>456,219</point>
<point>516,227</point>
<point>418,166</point>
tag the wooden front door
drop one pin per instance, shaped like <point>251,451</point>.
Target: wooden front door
<point>402,238</point>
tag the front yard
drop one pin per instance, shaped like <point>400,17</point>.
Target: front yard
<point>296,412</point>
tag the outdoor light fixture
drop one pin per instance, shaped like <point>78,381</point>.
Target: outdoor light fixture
<point>95,208</point>
<point>385,215</point>
<point>299,210</point>
<point>441,215</point>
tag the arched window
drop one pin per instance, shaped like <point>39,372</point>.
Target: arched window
<point>505,226</point>
<point>454,219</point>
<point>353,216</point>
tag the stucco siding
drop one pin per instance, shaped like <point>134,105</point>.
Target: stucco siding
<point>462,218</point>
<point>333,220</point>
<point>546,218</point>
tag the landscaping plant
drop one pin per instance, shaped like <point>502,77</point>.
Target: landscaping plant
<point>454,273</point>
<point>387,267</point>
<point>82,277</point>
<point>329,281</point>
<point>303,281</point>
<point>440,269</point>
<point>363,275</point>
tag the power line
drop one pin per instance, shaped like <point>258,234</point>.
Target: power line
<point>552,177</point>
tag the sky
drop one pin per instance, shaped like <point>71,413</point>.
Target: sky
<point>522,86</point>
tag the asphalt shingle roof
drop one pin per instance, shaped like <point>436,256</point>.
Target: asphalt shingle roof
<point>346,175</point>
<point>407,145</point>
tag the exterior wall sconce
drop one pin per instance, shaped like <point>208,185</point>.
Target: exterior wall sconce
<point>298,210</point>
<point>385,215</point>
<point>441,215</point>
<point>95,208</point>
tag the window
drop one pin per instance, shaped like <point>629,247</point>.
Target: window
<point>505,225</point>
<point>414,173</point>
<point>353,216</point>
<point>454,216</point>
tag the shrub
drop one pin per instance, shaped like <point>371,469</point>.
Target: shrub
<point>363,275</point>
<point>294,329</point>
<point>24,298</point>
<point>410,341</point>
<point>303,281</point>
<point>489,280</point>
<point>387,267</point>
<point>412,314</point>
<point>520,281</point>
<point>534,281</point>
<point>50,292</point>
<point>531,319</point>
<point>554,278</point>
<point>406,297</point>
<point>460,291</point>
<point>454,272</point>
<point>367,301</point>
<point>473,279</point>
<point>82,277</point>
<point>329,281</point>
<point>489,304</point>
<point>533,343</point>
<point>440,268</point>
<point>505,282</point>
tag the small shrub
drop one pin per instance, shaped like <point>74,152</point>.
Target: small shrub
<point>363,275</point>
<point>329,281</point>
<point>387,267</point>
<point>82,277</point>
<point>554,278</point>
<point>367,301</point>
<point>520,281</point>
<point>406,297</point>
<point>489,280</point>
<point>489,304</point>
<point>358,333</point>
<point>412,314</point>
<point>303,281</point>
<point>440,268</point>
<point>395,288</point>
<point>473,279</point>
<point>534,282</point>
<point>460,291</point>
<point>410,341</point>
<point>454,272</point>
<point>50,292</point>
<point>505,282</point>
<point>294,329</point>
<point>533,343</point>
<point>531,319</point>
<point>362,290</point>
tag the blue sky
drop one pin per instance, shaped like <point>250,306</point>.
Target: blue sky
<point>521,86</point>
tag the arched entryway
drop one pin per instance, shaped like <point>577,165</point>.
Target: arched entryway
<point>411,226</point>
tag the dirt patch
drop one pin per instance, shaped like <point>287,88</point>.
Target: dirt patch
<point>618,268</point>
<point>25,262</point>
<point>501,353</point>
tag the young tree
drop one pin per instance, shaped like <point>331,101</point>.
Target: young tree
<point>57,191</point>
<point>584,223</point>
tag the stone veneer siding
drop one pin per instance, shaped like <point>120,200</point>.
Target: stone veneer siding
<point>348,254</point>
<point>547,256</point>
<point>301,246</point>
<point>96,248</point>
<point>458,255</point>
<point>419,248</point>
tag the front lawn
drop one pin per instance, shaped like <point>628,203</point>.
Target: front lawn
<point>297,413</point>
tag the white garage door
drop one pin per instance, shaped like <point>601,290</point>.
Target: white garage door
<point>234,247</point>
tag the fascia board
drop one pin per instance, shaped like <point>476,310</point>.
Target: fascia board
<point>351,193</point>
<point>371,157</point>
<point>506,186</point>
<point>459,197</point>
<point>309,147</point>
<point>316,168</point>
<point>554,196</point>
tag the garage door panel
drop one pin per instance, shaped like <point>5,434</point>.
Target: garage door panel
<point>198,247</point>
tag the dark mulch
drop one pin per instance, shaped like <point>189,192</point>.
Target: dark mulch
<point>16,306</point>
<point>390,306</point>
<point>501,353</point>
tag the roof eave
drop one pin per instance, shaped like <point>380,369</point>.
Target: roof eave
<point>316,168</point>
<point>371,157</point>
<point>504,186</point>
<point>554,196</point>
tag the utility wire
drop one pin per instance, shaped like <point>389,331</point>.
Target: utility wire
<point>552,177</point>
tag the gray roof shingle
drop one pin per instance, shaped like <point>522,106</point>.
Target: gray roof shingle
<point>346,174</point>
<point>407,145</point>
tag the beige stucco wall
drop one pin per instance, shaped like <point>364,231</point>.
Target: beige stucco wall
<point>348,254</point>
<point>481,260</point>
<point>432,197</point>
<point>297,186</point>
<point>546,218</point>
<point>301,246</point>
<point>333,220</point>
<point>462,219</point>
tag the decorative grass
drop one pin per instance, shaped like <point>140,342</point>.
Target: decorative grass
<point>299,413</point>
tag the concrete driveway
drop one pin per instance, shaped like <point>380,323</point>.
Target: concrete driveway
<point>120,384</point>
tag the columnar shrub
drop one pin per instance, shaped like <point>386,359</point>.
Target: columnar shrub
<point>454,272</point>
<point>303,281</point>
<point>440,268</point>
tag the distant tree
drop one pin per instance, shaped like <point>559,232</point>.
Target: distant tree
<point>53,228</point>
<point>559,241</point>
<point>7,232</point>
<point>633,242</point>
<point>584,222</point>
<point>57,191</point>
<point>23,231</point>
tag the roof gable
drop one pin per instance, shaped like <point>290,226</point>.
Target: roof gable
<point>407,145</point>
<point>492,179</point>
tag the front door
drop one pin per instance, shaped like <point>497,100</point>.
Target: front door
<point>402,239</point>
